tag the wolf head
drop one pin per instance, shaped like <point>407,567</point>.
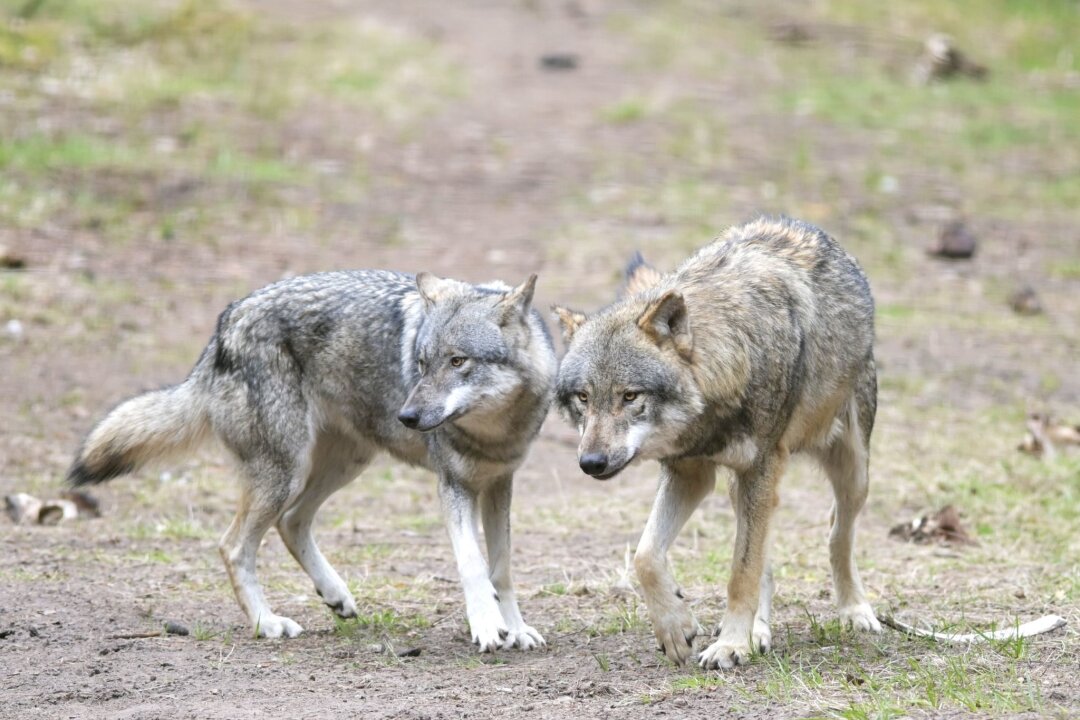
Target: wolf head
<point>468,352</point>
<point>626,379</point>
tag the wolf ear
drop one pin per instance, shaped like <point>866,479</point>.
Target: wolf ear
<point>517,301</point>
<point>640,275</point>
<point>569,321</point>
<point>665,320</point>
<point>431,287</point>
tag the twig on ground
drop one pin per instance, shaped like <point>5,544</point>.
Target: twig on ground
<point>1035,627</point>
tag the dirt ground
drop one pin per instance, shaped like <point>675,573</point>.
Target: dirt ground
<point>674,120</point>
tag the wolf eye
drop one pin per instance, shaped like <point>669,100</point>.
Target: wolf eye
<point>629,396</point>
<point>420,365</point>
<point>583,397</point>
<point>457,361</point>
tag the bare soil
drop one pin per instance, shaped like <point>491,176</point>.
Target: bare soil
<point>499,182</point>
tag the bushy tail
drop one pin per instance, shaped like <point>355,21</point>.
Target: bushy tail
<point>150,427</point>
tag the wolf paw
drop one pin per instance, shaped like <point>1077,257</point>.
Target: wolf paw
<point>341,602</point>
<point>761,636</point>
<point>675,632</point>
<point>860,617</point>
<point>275,626</point>
<point>725,655</point>
<point>488,632</point>
<point>523,637</point>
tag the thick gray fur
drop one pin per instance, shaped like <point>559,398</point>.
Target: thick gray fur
<point>306,380</point>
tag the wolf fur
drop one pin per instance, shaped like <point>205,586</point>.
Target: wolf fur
<point>306,380</point>
<point>758,346</point>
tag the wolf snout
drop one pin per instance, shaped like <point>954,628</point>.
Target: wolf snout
<point>593,463</point>
<point>409,417</point>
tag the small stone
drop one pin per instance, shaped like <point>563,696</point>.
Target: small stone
<point>11,261</point>
<point>175,628</point>
<point>956,242</point>
<point>14,328</point>
<point>559,61</point>
<point>1025,301</point>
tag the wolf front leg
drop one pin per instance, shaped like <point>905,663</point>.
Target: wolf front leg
<point>486,622</point>
<point>756,493</point>
<point>683,485</point>
<point>495,512</point>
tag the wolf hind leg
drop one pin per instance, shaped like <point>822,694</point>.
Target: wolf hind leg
<point>261,504</point>
<point>336,462</point>
<point>846,463</point>
<point>270,435</point>
<point>495,513</point>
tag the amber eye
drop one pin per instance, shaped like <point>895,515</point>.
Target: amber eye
<point>583,397</point>
<point>629,396</point>
<point>457,361</point>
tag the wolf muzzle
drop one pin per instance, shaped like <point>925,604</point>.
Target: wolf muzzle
<point>600,465</point>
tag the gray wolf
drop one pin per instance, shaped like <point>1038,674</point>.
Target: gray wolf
<point>306,380</point>
<point>758,346</point>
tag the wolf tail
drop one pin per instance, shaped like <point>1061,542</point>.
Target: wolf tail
<point>155,426</point>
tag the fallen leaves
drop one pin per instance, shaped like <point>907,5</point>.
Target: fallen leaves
<point>942,527</point>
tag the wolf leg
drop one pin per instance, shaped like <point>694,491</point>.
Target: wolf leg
<point>495,512</point>
<point>335,465</point>
<point>846,464</point>
<point>683,485</point>
<point>260,507</point>
<point>756,499</point>
<point>762,633</point>
<point>481,600</point>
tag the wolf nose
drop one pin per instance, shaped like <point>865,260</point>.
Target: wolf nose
<point>593,463</point>
<point>409,417</point>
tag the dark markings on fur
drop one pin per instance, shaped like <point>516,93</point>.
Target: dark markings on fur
<point>635,262</point>
<point>712,436</point>
<point>80,474</point>
<point>223,359</point>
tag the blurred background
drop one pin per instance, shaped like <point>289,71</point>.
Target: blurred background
<point>159,158</point>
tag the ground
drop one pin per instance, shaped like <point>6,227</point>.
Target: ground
<point>159,159</point>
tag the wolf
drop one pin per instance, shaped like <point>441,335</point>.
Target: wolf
<point>758,346</point>
<point>307,379</point>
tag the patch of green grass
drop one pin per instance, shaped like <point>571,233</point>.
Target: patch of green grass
<point>1065,269</point>
<point>554,589</point>
<point>158,55</point>
<point>38,153</point>
<point>381,621</point>
<point>203,632</point>
<point>623,616</point>
<point>626,111</point>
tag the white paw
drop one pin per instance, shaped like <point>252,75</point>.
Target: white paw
<point>860,617</point>
<point>762,636</point>
<point>275,626</point>
<point>724,655</point>
<point>488,631</point>
<point>675,630</point>
<point>523,637</point>
<point>340,600</point>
